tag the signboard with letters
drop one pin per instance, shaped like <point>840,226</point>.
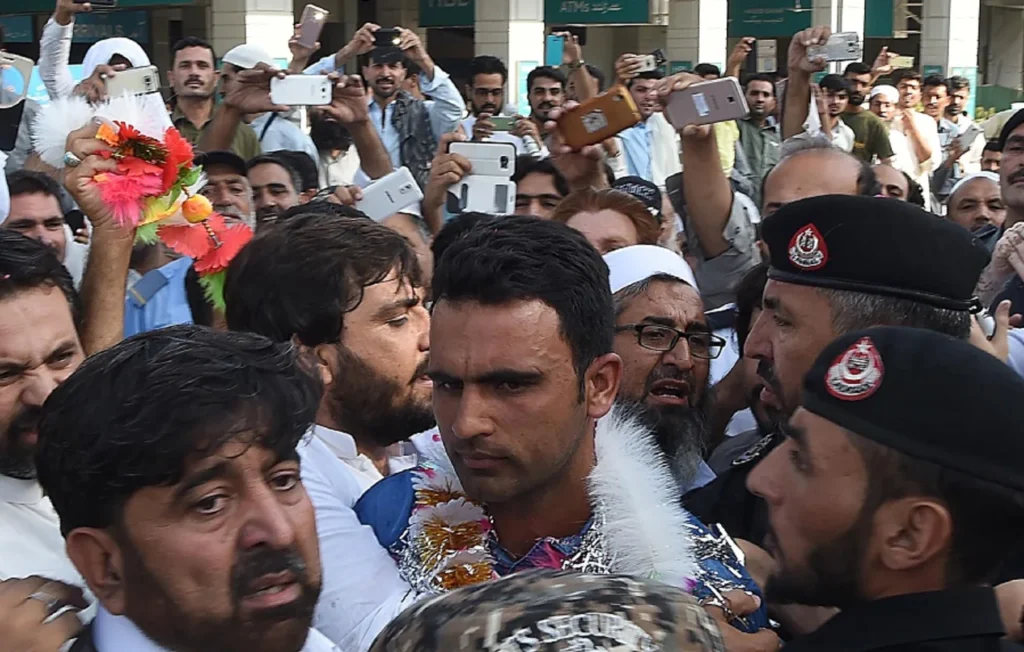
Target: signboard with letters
<point>17,29</point>
<point>597,12</point>
<point>768,18</point>
<point>97,26</point>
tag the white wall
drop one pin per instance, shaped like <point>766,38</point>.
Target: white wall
<point>1006,48</point>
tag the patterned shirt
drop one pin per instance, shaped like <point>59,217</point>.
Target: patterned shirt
<point>547,552</point>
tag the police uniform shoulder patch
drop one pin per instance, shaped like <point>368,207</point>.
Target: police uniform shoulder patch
<point>857,373</point>
<point>807,249</point>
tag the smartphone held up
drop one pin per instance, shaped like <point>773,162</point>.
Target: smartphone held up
<point>311,24</point>
<point>708,102</point>
<point>599,118</point>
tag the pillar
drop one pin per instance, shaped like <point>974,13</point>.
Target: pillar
<point>513,32</point>
<point>697,33</point>
<point>949,40</point>
<point>267,22</point>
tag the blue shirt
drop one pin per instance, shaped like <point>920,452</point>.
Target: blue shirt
<point>445,112</point>
<point>637,146</point>
<point>282,134</point>
<point>158,299</point>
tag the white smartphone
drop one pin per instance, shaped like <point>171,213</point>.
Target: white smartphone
<point>970,134</point>
<point>492,195</point>
<point>135,81</point>
<point>649,62</point>
<point>301,90</point>
<point>389,195</point>
<point>488,159</point>
<point>704,103</point>
<point>842,46</point>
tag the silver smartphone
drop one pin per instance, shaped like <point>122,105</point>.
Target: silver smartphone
<point>301,90</point>
<point>135,81</point>
<point>842,46</point>
<point>704,103</point>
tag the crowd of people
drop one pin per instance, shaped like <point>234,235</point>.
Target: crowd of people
<point>695,394</point>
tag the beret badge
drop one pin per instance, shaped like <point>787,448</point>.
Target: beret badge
<point>857,373</point>
<point>807,249</point>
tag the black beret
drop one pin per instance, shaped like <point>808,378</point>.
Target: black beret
<point>926,395</point>
<point>874,245</point>
<point>1016,120</point>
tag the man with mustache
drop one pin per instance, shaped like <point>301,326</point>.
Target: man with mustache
<point>227,186</point>
<point>40,314</point>
<point>759,132</point>
<point>819,287</point>
<point>666,346</point>
<point>347,292</point>
<point>276,187</point>
<point>171,461</point>
<point>546,91</point>
<point>193,78</point>
<point>898,494</point>
<point>1011,168</point>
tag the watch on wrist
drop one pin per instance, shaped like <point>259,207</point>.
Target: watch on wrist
<point>576,65</point>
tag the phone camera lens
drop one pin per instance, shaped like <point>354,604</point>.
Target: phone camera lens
<point>504,162</point>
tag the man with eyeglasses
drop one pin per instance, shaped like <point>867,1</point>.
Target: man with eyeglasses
<point>666,346</point>
<point>488,76</point>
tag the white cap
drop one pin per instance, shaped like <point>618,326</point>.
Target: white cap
<point>631,265</point>
<point>890,92</point>
<point>991,176</point>
<point>247,55</point>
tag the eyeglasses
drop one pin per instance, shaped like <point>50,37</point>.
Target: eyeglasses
<point>656,337</point>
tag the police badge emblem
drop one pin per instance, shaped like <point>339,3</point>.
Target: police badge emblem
<point>807,249</point>
<point>857,373</point>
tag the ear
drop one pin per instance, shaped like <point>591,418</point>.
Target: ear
<point>97,556</point>
<point>601,384</point>
<point>913,532</point>
<point>326,357</point>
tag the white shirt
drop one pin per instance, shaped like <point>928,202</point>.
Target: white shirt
<point>116,633</point>
<point>362,590</point>
<point>30,538</point>
<point>340,170</point>
<point>921,171</point>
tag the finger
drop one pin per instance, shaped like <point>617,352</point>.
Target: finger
<point>1017,263</point>
<point>55,633</point>
<point>71,596</point>
<point>462,162</point>
<point>449,138</point>
<point>742,603</point>
<point>16,591</point>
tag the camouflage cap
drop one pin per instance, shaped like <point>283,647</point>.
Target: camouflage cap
<point>555,610</point>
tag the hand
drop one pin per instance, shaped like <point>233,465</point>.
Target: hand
<point>758,562</point>
<point>740,53</point>
<point>883,63</point>
<point>627,67</point>
<point>94,87</point>
<point>999,344</point>
<point>411,44</point>
<point>301,53</point>
<point>798,59</point>
<point>483,128</point>
<point>524,127</point>
<point>581,168</point>
<point>65,11</point>
<point>78,180</point>
<point>1010,597</point>
<point>82,236</point>
<point>1008,256</point>
<point>445,171</point>
<point>572,52</point>
<point>22,618</point>
<point>362,41</point>
<point>679,82</point>
<point>742,604</point>
<point>956,152</point>
<point>348,104</point>
<point>249,91</point>
<point>345,195</point>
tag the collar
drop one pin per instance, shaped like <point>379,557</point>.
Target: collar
<point>20,492</point>
<point>904,619</point>
<point>341,444</point>
<point>111,633</point>
<point>769,124</point>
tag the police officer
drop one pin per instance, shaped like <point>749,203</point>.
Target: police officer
<point>837,264</point>
<point>898,494</point>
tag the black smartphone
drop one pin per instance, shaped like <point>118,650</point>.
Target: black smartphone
<point>97,3</point>
<point>659,57</point>
<point>75,219</point>
<point>10,119</point>
<point>386,38</point>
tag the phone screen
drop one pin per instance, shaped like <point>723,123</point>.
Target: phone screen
<point>554,51</point>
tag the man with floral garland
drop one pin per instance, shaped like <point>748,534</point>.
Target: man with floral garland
<point>524,383</point>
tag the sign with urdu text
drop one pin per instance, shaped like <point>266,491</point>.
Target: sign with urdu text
<point>447,13</point>
<point>597,12</point>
